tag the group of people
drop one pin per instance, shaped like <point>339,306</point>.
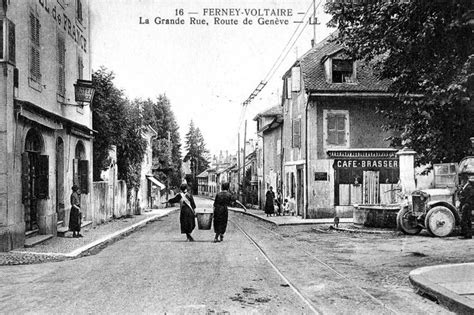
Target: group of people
<point>220,215</point>
<point>275,206</point>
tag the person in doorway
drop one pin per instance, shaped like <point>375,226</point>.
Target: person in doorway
<point>269,202</point>
<point>75,217</point>
<point>292,205</point>
<point>466,198</point>
<point>278,202</point>
<point>223,200</point>
<point>187,214</point>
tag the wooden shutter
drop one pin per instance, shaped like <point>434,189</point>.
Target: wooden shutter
<point>61,65</point>
<point>35,70</point>
<point>42,177</point>
<point>25,177</point>
<point>296,133</point>
<point>84,176</point>
<point>11,42</point>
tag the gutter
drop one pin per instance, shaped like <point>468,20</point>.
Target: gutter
<point>362,94</point>
<point>306,159</point>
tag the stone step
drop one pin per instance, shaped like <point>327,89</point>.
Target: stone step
<point>31,233</point>
<point>37,239</point>
<point>64,229</point>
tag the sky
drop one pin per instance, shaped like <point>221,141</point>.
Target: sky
<point>207,71</point>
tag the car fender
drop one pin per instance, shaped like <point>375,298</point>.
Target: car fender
<point>445,204</point>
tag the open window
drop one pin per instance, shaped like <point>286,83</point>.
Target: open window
<point>343,71</point>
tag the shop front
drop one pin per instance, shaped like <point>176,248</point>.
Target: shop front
<point>365,176</point>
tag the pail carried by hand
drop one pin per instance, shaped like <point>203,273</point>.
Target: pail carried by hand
<point>204,219</point>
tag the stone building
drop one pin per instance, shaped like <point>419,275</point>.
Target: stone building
<point>45,135</point>
<point>335,152</point>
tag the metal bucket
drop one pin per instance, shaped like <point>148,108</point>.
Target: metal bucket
<point>204,219</point>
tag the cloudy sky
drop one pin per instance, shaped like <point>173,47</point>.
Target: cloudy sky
<point>207,71</point>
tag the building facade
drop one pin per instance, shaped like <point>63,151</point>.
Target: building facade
<point>45,135</point>
<point>270,129</point>
<point>337,155</point>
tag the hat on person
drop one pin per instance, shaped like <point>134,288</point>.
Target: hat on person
<point>75,187</point>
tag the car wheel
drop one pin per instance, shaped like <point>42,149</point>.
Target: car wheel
<point>407,222</point>
<point>440,221</point>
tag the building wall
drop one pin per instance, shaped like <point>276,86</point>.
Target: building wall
<point>365,132</point>
<point>294,157</point>
<point>272,165</point>
<point>144,193</point>
<point>44,95</point>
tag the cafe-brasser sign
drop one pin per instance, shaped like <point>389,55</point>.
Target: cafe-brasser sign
<point>84,92</point>
<point>364,159</point>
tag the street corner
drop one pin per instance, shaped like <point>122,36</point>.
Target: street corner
<point>450,285</point>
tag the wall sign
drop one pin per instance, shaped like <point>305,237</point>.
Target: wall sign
<point>320,176</point>
<point>366,163</point>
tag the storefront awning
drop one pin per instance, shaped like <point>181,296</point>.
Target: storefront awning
<point>155,182</point>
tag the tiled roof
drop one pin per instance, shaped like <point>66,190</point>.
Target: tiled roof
<point>273,111</point>
<point>314,75</point>
<point>203,174</point>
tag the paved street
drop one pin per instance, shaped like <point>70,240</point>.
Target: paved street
<point>314,270</point>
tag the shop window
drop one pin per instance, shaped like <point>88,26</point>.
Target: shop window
<point>342,71</point>
<point>336,128</point>
<point>35,69</point>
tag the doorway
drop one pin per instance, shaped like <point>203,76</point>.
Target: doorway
<point>371,187</point>
<point>60,206</point>
<point>299,190</point>
<point>35,183</point>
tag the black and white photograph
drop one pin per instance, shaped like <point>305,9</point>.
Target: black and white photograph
<point>221,157</point>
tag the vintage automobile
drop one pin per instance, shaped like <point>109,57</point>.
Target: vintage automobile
<point>437,209</point>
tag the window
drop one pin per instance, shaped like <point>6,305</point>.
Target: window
<point>296,132</point>
<point>80,67</point>
<point>79,10</point>
<point>336,127</point>
<point>7,41</point>
<point>61,65</point>
<point>342,71</point>
<point>35,70</point>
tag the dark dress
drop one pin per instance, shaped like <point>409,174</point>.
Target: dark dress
<point>466,197</point>
<point>269,205</point>
<point>223,200</point>
<point>186,216</point>
<point>75,216</point>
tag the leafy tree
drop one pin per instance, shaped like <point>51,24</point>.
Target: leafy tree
<point>423,47</point>
<point>108,108</point>
<point>167,145</point>
<point>197,152</point>
<point>131,148</point>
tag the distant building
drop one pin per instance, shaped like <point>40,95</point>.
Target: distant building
<point>45,135</point>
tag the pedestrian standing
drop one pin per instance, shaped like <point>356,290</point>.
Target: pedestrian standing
<point>278,202</point>
<point>223,200</point>
<point>187,214</point>
<point>269,202</point>
<point>466,197</point>
<point>75,217</point>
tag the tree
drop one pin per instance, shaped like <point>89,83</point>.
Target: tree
<point>167,145</point>
<point>423,47</point>
<point>108,108</point>
<point>197,152</point>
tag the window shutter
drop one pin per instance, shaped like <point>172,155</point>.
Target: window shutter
<point>296,133</point>
<point>25,177</point>
<point>84,176</point>
<point>11,42</point>
<point>42,177</point>
<point>288,88</point>
<point>2,49</point>
<point>341,129</point>
<point>295,79</point>
<point>61,65</point>
<point>75,172</point>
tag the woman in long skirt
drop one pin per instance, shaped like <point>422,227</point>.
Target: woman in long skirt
<point>269,202</point>
<point>187,214</point>
<point>221,213</point>
<point>75,216</point>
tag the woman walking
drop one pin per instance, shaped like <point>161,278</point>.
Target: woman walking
<point>187,214</point>
<point>221,213</point>
<point>269,199</point>
<point>75,217</point>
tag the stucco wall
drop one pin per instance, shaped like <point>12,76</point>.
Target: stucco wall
<point>103,201</point>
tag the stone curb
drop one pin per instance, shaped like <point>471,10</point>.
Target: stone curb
<point>104,240</point>
<point>362,230</point>
<point>454,302</point>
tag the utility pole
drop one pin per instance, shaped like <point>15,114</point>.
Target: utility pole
<point>314,21</point>
<point>238,163</point>
<point>243,168</point>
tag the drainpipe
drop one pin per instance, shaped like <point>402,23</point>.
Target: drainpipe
<point>305,214</point>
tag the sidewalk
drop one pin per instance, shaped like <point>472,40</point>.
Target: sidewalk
<point>94,237</point>
<point>451,285</point>
<point>288,220</point>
